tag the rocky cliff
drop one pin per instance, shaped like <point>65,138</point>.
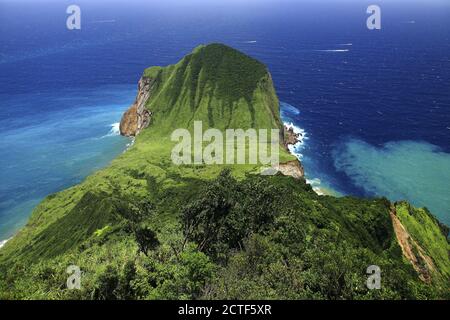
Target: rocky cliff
<point>290,137</point>
<point>137,117</point>
<point>292,168</point>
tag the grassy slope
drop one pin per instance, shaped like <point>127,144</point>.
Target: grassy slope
<point>87,224</point>
<point>425,229</point>
<point>217,85</point>
<point>242,93</point>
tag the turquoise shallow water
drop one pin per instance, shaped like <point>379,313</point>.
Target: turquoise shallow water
<point>46,151</point>
<point>410,170</point>
<point>416,171</point>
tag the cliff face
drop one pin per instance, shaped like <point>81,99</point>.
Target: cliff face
<point>137,117</point>
<point>423,240</point>
<point>411,250</point>
<point>292,168</point>
<point>290,137</point>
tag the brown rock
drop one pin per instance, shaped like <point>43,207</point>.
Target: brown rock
<point>137,117</point>
<point>291,168</point>
<point>411,250</point>
<point>290,137</point>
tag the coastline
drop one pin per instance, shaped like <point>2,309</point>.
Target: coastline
<point>86,154</point>
<point>297,137</point>
<point>295,143</point>
<point>3,242</point>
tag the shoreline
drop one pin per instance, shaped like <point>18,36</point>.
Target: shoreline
<point>112,133</point>
<point>3,242</point>
<point>296,139</point>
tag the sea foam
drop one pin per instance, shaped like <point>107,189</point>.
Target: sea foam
<point>288,115</point>
<point>296,149</point>
<point>114,131</point>
<point>3,242</point>
<point>334,50</point>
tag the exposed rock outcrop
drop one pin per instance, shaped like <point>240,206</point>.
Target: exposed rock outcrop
<point>290,137</point>
<point>137,117</point>
<point>411,250</point>
<point>291,168</point>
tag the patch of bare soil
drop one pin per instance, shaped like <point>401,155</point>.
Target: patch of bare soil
<point>412,251</point>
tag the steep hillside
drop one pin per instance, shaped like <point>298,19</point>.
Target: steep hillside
<point>145,228</point>
<point>214,84</point>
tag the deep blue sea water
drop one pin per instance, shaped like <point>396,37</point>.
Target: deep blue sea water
<point>375,105</point>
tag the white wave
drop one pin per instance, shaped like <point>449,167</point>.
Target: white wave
<point>287,108</point>
<point>296,149</point>
<point>319,191</point>
<point>314,182</point>
<point>316,186</point>
<point>296,129</point>
<point>129,145</point>
<point>250,41</point>
<point>114,131</point>
<point>346,44</point>
<point>334,50</point>
<point>104,21</point>
<point>3,242</point>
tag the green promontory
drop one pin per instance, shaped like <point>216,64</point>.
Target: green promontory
<point>145,228</point>
<point>217,85</point>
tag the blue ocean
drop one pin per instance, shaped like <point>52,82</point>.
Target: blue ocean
<point>374,105</point>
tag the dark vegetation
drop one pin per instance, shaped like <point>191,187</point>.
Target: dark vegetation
<point>270,237</point>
